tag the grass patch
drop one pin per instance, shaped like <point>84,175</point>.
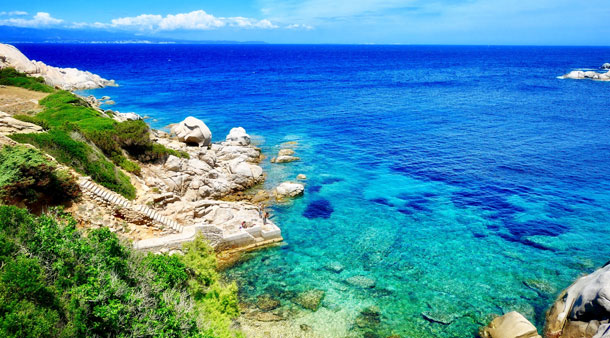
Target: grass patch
<point>11,77</point>
<point>82,157</point>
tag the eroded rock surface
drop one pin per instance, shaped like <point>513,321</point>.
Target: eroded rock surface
<point>583,309</point>
<point>510,325</point>
<point>193,131</point>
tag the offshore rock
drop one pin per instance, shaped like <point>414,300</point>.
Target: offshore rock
<point>193,130</point>
<point>606,65</point>
<point>63,78</point>
<point>511,325</point>
<point>289,189</point>
<point>583,309</point>
<point>590,75</point>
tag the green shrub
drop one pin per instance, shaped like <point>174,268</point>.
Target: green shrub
<point>72,285</point>
<point>81,157</point>
<point>11,77</point>
<point>27,175</point>
<point>32,119</point>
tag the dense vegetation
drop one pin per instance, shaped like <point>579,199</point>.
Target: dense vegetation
<point>56,282</point>
<point>27,175</point>
<point>87,140</point>
<point>11,77</point>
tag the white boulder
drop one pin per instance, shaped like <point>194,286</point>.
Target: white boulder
<point>122,117</point>
<point>606,65</point>
<point>238,137</point>
<point>590,75</point>
<point>289,189</point>
<point>193,130</point>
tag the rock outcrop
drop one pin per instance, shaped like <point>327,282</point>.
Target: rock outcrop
<point>583,309</point>
<point>213,172</point>
<point>289,189</point>
<point>10,125</point>
<point>284,156</point>
<point>511,325</point>
<point>193,131</point>
<point>606,66</point>
<point>238,137</point>
<point>586,75</point>
<point>63,78</point>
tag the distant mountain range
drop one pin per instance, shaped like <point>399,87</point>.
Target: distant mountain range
<point>10,34</point>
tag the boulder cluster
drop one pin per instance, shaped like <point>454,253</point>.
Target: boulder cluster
<point>589,75</point>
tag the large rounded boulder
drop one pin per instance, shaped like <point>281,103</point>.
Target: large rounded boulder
<point>583,309</point>
<point>193,131</point>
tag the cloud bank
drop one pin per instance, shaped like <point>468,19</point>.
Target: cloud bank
<point>41,19</point>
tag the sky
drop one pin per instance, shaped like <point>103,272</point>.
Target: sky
<point>479,22</point>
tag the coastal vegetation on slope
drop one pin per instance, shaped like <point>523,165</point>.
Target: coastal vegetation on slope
<point>11,77</point>
<point>27,175</point>
<point>58,282</point>
<point>86,139</point>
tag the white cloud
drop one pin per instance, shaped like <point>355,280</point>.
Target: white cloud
<point>299,26</point>
<point>41,19</point>
<point>196,20</point>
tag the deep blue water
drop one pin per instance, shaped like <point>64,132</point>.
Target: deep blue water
<point>466,181</point>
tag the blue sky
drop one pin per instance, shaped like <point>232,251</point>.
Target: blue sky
<point>530,22</point>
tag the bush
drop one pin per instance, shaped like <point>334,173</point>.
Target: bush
<point>81,157</point>
<point>72,285</point>
<point>11,77</point>
<point>27,175</point>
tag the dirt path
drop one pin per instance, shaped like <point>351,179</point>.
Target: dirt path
<point>14,100</point>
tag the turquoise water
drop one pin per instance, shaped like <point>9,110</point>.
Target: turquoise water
<point>462,181</point>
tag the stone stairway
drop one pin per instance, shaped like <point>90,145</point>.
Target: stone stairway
<point>88,186</point>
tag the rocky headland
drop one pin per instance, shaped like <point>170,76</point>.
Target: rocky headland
<point>63,78</point>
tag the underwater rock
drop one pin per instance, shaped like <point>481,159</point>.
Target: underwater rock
<point>369,317</point>
<point>541,287</point>
<point>310,299</point>
<point>285,152</point>
<point>319,209</point>
<point>511,325</point>
<point>335,267</point>
<point>301,177</point>
<point>305,327</point>
<point>267,303</point>
<point>438,317</point>
<point>267,317</point>
<point>361,281</point>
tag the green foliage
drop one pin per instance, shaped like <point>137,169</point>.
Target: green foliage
<point>81,157</point>
<point>71,285</point>
<point>33,119</point>
<point>11,77</point>
<point>216,302</point>
<point>27,175</point>
<point>63,106</point>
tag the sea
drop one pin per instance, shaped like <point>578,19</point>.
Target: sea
<point>445,184</point>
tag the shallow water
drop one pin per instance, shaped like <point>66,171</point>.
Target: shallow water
<point>464,181</point>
